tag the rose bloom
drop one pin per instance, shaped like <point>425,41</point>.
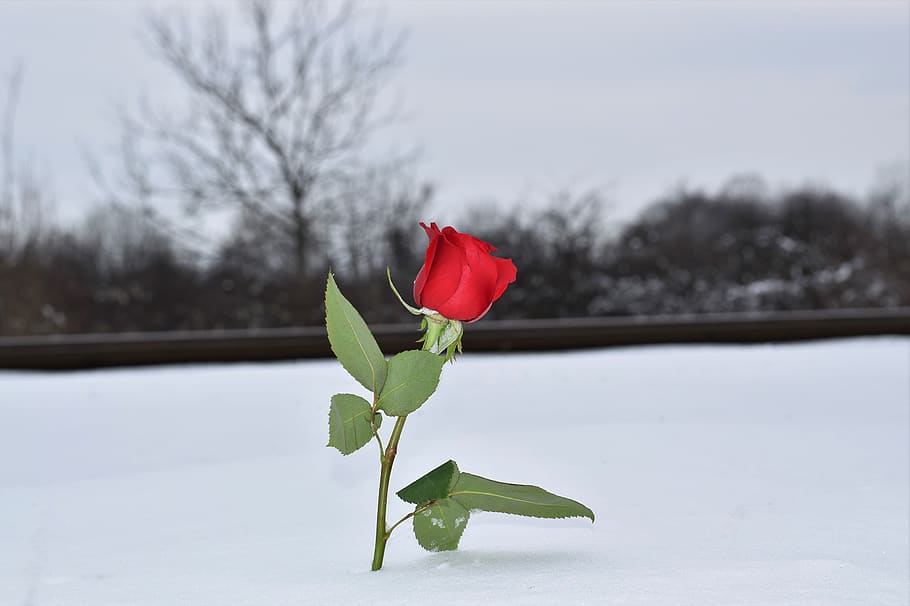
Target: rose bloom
<point>460,279</point>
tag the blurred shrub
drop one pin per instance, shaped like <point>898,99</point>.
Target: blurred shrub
<point>738,249</point>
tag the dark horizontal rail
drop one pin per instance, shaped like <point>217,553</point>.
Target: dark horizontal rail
<point>71,352</point>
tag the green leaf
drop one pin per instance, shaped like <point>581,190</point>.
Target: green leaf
<point>474,492</point>
<point>412,379</point>
<point>351,340</point>
<point>445,497</point>
<point>434,485</point>
<point>349,422</point>
<point>439,527</point>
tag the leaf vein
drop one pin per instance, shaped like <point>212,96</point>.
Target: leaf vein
<point>499,496</point>
<point>388,392</point>
<point>363,350</point>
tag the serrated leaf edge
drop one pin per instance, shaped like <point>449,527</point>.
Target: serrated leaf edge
<point>332,428</point>
<point>453,478</point>
<point>384,394</point>
<point>454,495</point>
<point>588,512</point>
<point>375,389</point>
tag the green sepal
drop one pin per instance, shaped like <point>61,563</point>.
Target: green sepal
<point>423,327</point>
<point>439,527</point>
<point>351,422</point>
<point>434,485</point>
<point>441,335</point>
<point>453,348</point>
<point>352,342</point>
<point>412,378</point>
<point>410,308</point>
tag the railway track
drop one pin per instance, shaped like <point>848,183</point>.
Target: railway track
<point>85,351</point>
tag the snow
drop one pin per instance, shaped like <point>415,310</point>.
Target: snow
<point>719,475</point>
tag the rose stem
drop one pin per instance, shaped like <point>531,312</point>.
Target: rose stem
<point>385,474</point>
<point>382,535</point>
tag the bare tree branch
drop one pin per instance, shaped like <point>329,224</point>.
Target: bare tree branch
<point>13,90</point>
<point>279,114</point>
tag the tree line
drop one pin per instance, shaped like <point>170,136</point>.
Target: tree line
<point>731,250</point>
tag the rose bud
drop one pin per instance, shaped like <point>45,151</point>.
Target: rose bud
<point>460,279</point>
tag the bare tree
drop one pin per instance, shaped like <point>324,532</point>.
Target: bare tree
<point>279,113</point>
<point>7,192</point>
<point>24,200</point>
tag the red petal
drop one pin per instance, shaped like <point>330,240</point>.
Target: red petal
<point>421,280</point>
<point>507,272</point>
<point>505,276</point>
<point>460,278</point>
<point>432,230</point>
<point>468,241</point>
<point>472,298</point>
<point>441,274</point>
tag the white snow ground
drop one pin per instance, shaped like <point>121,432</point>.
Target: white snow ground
<point>719,475</point>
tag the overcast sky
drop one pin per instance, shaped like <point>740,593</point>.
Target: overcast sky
<point>509,99</point>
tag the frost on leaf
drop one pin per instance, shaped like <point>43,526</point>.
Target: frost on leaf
<point>445,497</point>
<point>440,526</point>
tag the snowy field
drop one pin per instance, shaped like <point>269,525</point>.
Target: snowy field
<point>719,475</point>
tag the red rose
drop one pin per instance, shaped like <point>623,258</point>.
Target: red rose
<point>460,278</point>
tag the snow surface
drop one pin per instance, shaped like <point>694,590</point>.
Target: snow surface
<point>719,475</point>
